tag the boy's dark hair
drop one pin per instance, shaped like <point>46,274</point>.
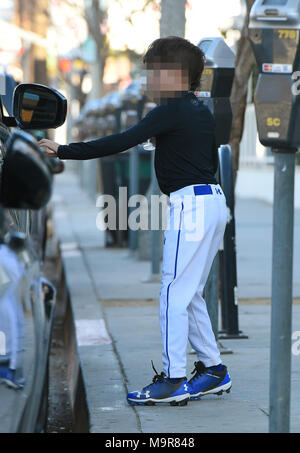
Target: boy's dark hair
<point>177,51</point>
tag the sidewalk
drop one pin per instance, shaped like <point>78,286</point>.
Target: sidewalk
<point>254,248</point>
<point>118,335</point>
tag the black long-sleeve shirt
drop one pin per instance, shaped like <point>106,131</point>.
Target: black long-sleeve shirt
<point>186,151</point>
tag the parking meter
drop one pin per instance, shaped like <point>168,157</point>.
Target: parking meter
<point>215,90</point>
<point>133,98</point>
<point>274,29</point>
<point>216,84</point>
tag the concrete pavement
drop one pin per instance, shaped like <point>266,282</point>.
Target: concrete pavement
<point>105,286</point>
<point>244,410</point>
<point>254,248</point>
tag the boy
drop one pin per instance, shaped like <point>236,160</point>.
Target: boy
<point>186,161</point>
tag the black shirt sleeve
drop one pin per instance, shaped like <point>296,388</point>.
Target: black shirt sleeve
<point>161,119</point>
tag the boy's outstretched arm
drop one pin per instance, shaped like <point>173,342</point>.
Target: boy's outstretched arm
<point>159,120</point>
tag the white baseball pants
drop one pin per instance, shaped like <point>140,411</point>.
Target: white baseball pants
<point>195,228</point>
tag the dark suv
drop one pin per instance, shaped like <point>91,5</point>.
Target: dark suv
<point>26,298</point>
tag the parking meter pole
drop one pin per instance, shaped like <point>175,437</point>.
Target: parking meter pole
<point>133,190</point>
<point>211,292</point>
<point>155,234</point>
<point>282,272</point>
<point>274,34</point>
<point>155,252</point>
<point>212,295</point>
<point>216,85</point>
<point>230,318</point>
<point>131,119</point>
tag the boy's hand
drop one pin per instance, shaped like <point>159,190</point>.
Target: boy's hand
<point>50,145</point>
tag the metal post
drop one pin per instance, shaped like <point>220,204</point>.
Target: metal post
<point>212,301</point>
<point>228,255</point>
<point>133,190</point>
<point>155,234</point>
<point>282,279</point>
<point>212,295</point>
<point>211,290</point>
<point>92,179</point>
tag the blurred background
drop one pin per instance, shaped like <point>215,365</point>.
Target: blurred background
<point>91,52</point>
<point>88,48</point>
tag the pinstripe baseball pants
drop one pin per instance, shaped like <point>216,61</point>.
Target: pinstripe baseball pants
<point>197,217</point>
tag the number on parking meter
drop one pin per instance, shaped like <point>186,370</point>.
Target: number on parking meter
<point>287,34</point>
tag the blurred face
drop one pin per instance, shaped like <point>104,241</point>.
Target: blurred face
<point>166,80</point>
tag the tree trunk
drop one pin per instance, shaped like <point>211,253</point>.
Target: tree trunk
<point>244,65</point>
<point>95,16</point>
<point>172,22</point>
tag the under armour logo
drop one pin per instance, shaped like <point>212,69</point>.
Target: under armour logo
<point>147,394</point>
<point>185,387</point>
<point>218,191</point>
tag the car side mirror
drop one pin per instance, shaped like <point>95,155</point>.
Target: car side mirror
<point>36,106</point>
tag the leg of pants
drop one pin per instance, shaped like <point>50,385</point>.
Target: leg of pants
<point>201,335</point>
<point>196,228</point>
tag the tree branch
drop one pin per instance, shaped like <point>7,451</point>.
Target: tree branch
<point>134,11</point>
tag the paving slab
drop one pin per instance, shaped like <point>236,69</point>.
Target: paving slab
<point>105,284</point>
<point>244,410</point>
<point>254,219</point>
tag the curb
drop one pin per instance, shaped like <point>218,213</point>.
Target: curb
<point>103,382</point>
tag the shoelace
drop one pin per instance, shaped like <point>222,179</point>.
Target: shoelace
<point>198,370</point>
<point>157,377</point>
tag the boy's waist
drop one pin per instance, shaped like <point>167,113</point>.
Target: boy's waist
<point>198,190</point>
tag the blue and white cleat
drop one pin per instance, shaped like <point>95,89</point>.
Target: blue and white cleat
<point>207,381</point>
<point>161,390</point>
